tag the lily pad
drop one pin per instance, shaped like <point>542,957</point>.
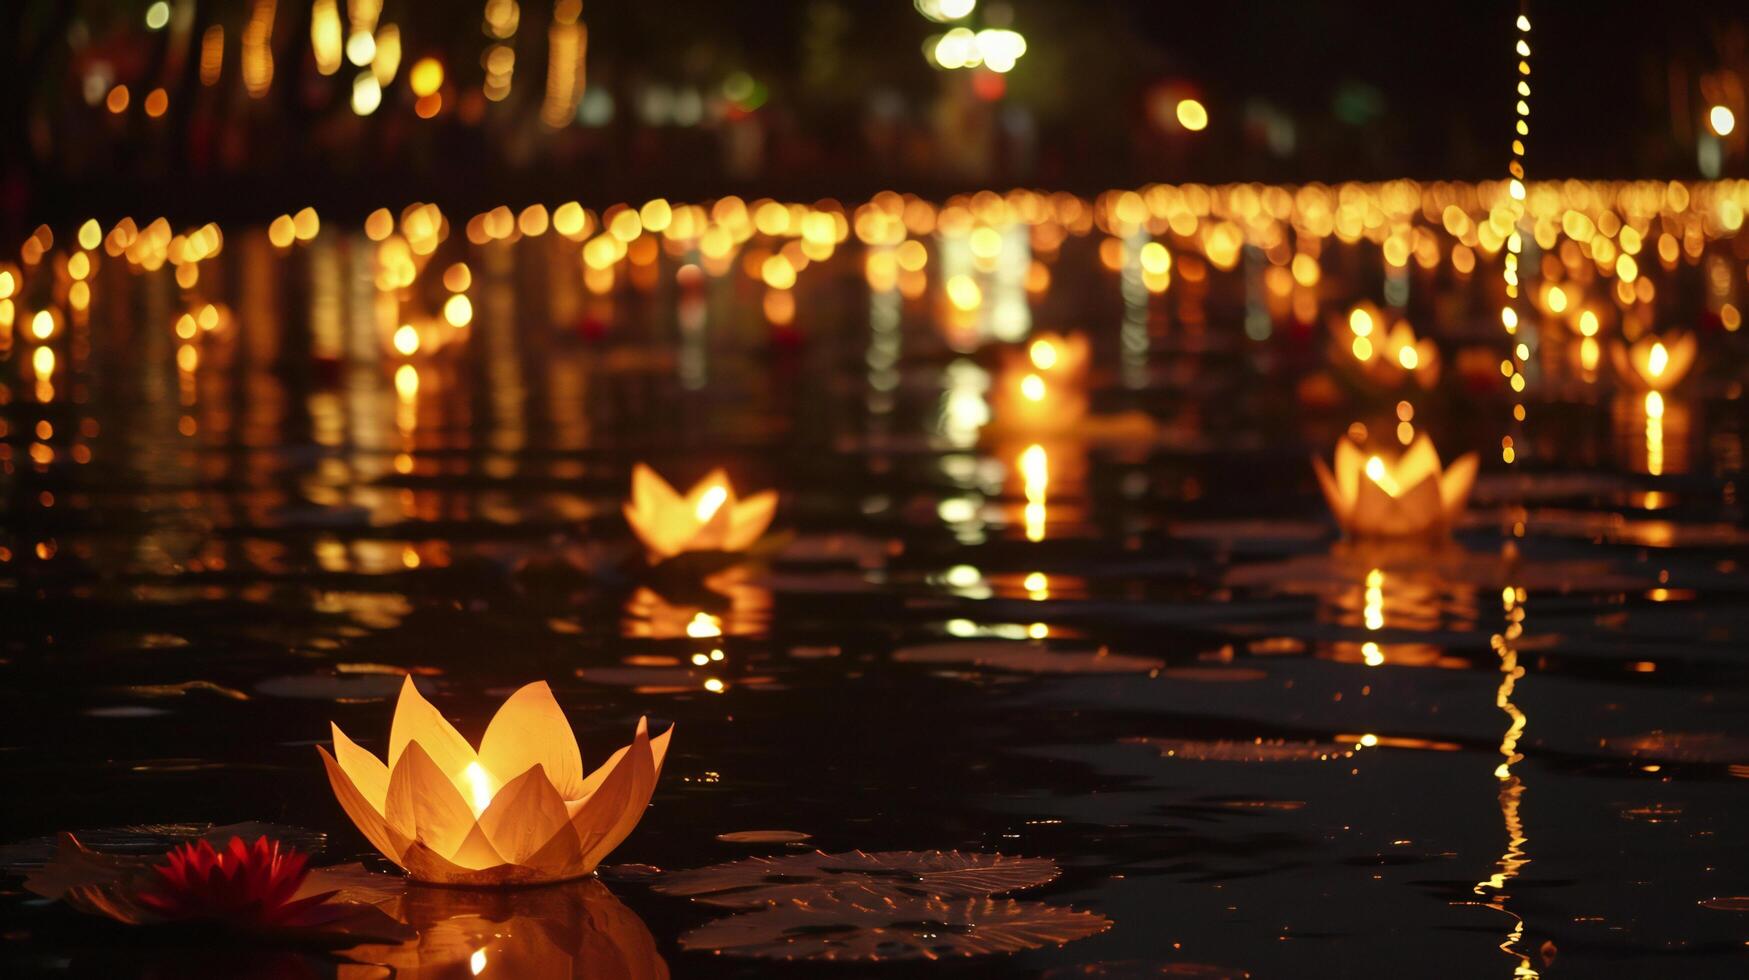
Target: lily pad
<point>1027,658</point>
<point>758,881</point>
<point>869,927</point>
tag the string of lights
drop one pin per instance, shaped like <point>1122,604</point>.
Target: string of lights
<point>1514,367</point>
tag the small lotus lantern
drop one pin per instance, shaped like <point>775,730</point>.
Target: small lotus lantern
<point>1653,363</point>
<point>1388,356</point>
<point>1376,496</point>
<point>709,518</point>
<point>1043,391</point>
<point>520,811</point>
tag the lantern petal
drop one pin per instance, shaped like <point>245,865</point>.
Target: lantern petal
<point>1681,350</point>
<point>366,771</point>
<point>529,730</point>
<point>1455,484</point>
<point>417,721</point>
<point>1419,462</point>
<point>655,531</point>
<point>651,494</point>
<point>1332,496</point>
<point>421,797</point>
<point>367,818</point>
<point>619,812</point>
<point>1349,464</point>
<point>750,519</point>
<point>525,817</point>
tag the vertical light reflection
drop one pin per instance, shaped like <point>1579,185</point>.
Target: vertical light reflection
<point>1133,335</point>
<point>1035,473</point>
<point>1493,889</point>
<point>1654,433</point>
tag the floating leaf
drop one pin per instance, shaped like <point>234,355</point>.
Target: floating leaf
<point>894,874</point>
<point>328,687</point>
<point>186,687</point>
<point>1027,658</point>
<point>151,840</point>
<point>1735,903</point>
<point>764,837</point>
<point>129,889</point>
<point>1702,747</point>
<point>1255,750</point>
<point>892,927</point>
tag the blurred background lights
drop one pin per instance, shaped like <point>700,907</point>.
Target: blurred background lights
<point>944,11</point>
<point>367,94</point>
<point>158,15</point>
<point>997,49</point>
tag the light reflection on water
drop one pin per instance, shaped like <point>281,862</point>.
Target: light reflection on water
<point>976,606</point>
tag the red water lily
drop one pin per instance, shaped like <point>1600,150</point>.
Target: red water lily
<point>247,885</point>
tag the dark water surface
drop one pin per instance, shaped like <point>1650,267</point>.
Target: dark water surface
<point>1523,751</point>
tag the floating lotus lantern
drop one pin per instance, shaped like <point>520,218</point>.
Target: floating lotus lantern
<point>1653,363</point>
<point>1054,356</point>
<point>1043,391</point>
<point>1388,356</point>
<point>1376,496</point>
<point>708,518</point>
<point>520,811</point>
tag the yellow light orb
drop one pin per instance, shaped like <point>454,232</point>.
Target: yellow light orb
<point>1192,115</point>
<point>1722,119</point>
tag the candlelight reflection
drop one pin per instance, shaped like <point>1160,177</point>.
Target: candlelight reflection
<point>575,929</point>
<point>1494,889</point>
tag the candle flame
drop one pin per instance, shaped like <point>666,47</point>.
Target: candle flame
<point>710,501</point>
<point>1658,360</point>
<point>1043,354</point>
<point>477,962</point>
<point>1375,471</point>
<point>480,788</point>
<point>1033,387</point>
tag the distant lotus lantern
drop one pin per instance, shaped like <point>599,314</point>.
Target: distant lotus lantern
<point>1058,356</point>
<point>1655,363</point>
<point>709,518</point>
<point>1376,496</point>
<point>519,811</point>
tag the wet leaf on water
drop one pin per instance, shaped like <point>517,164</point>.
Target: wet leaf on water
<point>1238,750</point>
<point>185,687</point>
<point>629,872</point>
<point>1135,969</point>
<point>126,711</point>
<point>1027,658</point>
<point>1215,675</point>
<point>1734,903</point>
<point>328,687</point>
<point>892,927</point>
<point>764,837</point>
<point>155,839</point>
<point>759,881</point>
<point>116,886</point>
<point>1702,747</point>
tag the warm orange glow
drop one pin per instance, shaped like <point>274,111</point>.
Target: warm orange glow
<point>1376,496</point>
<point>708,518</point>
<point>520,810</point>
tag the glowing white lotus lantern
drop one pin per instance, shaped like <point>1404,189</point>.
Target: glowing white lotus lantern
<point>708,518</point>
<point>519,811</point>
<point>1655,363</point>
<point>1411,494</point>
